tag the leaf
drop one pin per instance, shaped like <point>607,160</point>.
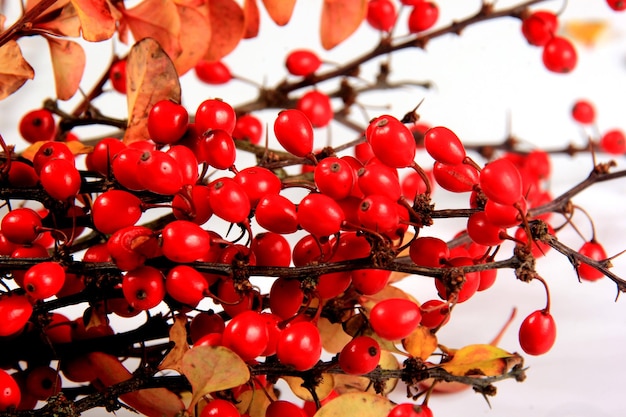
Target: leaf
<point>323,389</point>
<point>156,402</point>
<point>96,21</point>
<point>354,383</point>
<point>252,19</point>
<point>587,32</point>
<point>356,404</point>
<point>14,70</point>
<point>421,343</point>
<point>213,368</point>
<point>395,275</point>
<point>334,338</point>
<point>195,37</point>
<point>340,18</point>
<point>481,359</point>
<point>254,402</point>
<point>66,23</point>
<point>280,10</point>
<point>68,64</point>
<point>227,28</point>
<point>178,335</point>
<point>157,19</point>
<point>150,77</point>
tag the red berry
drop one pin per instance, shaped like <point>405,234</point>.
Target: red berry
<point>213,72</point>
<point>429,251</point>
<point>21,225</point>
<point>258,182</point>
<point>410,410</point>
<point>143,287</point>
<point>219,408</point>
<point>359,356</point>
<point>613,142</point>
<point>537,333</point>
<point>392,142</point>
<point>369,281</point>
<point>377,178</point>
<point>316,106</point>
<point>117,76</point>
<point>302,62</point>
<point>595,251</point>
<point>381,14</point>
<point>423,16</point>
<point>246,334</point>
<point>205,323</point>
<point>294,132</point>
<point>99,160</point>
<point>501,182</point>
<point>459,178</point>
<point>167,122</point>
<point>467,289</point>
<point>44,280</point>
<point>286,297</point>
<point>15,311</point>
<point>37,125</point>
<point>42,382</point>
<point>435,313</point>
<point>540,27</point>
<point>215,114</point>
<point>60,179</point>
<point>559,55</point>
<point>49,151</point>
<point>248,127</point>
<point>10,394</point>
<point>617,5</point>
<point>395,318</point>
<point>277,214</point>
<point>115,209</point>
<point>194,206</point>
<point>219,148</point>
<point>160,173</point>
<point>125,168</point>
<point>483,232</point>
<point>584,112</point>
<point>184,241</point>
<point>229,200</point>
<point>378,213</point>
<point>299,345</point>
<point>320,215</point>
<point>271,249</point>
<point>444,145</point>
<point>282,408</point>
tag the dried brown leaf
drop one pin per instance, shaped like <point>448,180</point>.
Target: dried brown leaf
<point>340,18</point>
<point>254,402</point>
<point>14,70</point>
<point>356,404</point>
<point>280,10</point>
<point>227,28</point>
<point>252,18</point>
<point>68,64</point>
<point>97,22</point>
<point>66,23</point>
<point>150,77</point>
<point>195,37</point>
<point>178,335</point>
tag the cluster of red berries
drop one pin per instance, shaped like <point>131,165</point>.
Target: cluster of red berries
<point>382,15</point>
<point>612,141</point>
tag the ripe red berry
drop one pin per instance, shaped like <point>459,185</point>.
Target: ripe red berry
<point>44,280</point>
<point>37,125</point>
<point>429,251</point>
<point>501,181</point>
<point>444,145</point>
<point>369,281</point>
<point>320,215</point>
<point>559,55</point>
<point>537,333</point>
<point>15,311</point>
<point>617,5</point>
<point>219,148</point>
<point>49,151</point>
<point>184,241</point>
<point>584,112</point>
<point>125,168</point>
<point>277,214</point>
<point>42,382</point>
<point>294,132</point>
<point>258,182</point>
<point>215,114</point>
<point>246,334</point>
<point>459,178</point>
<point>99,160</point>
<point>392,142</point>
<point>286,297</point>
<point>467,289</point>
<point>317,107</point>
<point>219,408</point>
<point>410,410</point>
<point>595,251</point>
<point>229,200</point>
<point>539,27</point>
<point>435,313</point>
<point>423,16</point>
<point>248,127</point>
<point>299,345</point>
<point>395,318</point>
<point>334,177</point>
<point>21,225</point>
<point>359,356</point>
<point>302,62</point>
<point>271,249</point>
<point>613,142</point>
<point>115,209</point>
<point>143,287</point>
<point>167,122</point>
<point>10,393</point>
<point>213,72</point>
<point>160,173</point>
<point>377,178</point>
<point>117,76</point>
<point>381,14</point>
<point>378,213</point>
<point>282,408</point>
<point>60,179</point>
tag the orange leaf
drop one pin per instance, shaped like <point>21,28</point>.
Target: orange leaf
<point>340,18</point>
<point>178,335</point>
<point>157,19</point>
<point>322,389</point>
<point>150,77</point>
<point>421,343</point>
<point>252,18</point>
<point>587,32</point>
<point>152,402</point>
<point>66,23</point>
<point>68,64</point>
<point>481,360</point>
<point>195,36</point>
<point>356,404</point>
<point>227,28</point>
<point>280,10</point>
<point>14,70</point>
<point>213,368</point>
<point>96,21</point>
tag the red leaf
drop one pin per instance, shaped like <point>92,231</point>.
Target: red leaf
<point>252,18</point>
<point>280,10</point>
<point>227,28</point>
<point>340,18</point>
<point>68,64</point>
<point>14,70</point>
<point>96,21</point>
<point>195,36</point>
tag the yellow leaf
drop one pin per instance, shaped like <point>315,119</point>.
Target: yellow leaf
<point>178,335</point>
<point>157,19</point>
<point>150,77</point>
<point>78,148</point>
<point>323,389</point>
<point>213,368</point>
<point>481,360</point>
<point>340,18</point>
<point>97,23</point>
<point>334,338</point>
<point>587,32</point>
<point>280,10</point>
<point>254,402</point>
<point>228,26</point>
<point>421,343</point>
<point>14,70</point>
<point>356,404</point>
<point>68,64</point>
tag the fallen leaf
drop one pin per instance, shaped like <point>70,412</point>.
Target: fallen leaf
<point>97,22</point>
<point>178,335</point>
<point>157,19</point>
<point>340,18</point>
<point>14,70</point>
<point>227,28</point>
<point>195,37</point>
<point>481,360</point>
<point>421,343</point>
<point>356,404</point>
<point>213,368</point>
<point>150,77</point>
<point>152,402</point>
<point>323,389</point>
<point>280,10</point>
<point>68,64</point>
<point>252,19</point>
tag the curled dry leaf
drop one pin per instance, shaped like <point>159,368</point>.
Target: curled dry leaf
<point>340,18</point>
<point>152,402</point>
<point>323,389</point>
<point>14,70</point>
<point>150,77</point>
<point>178,335</point>
<point>252,18</point>
<point>227,28</point>
<point>96,21</point>
<point>195,36</point>
<point>421,343</point>
<point>213,368</point>
<point>356,404</point>
<point>481,360</point>
<point>68,64</point>
<point>280,10</point>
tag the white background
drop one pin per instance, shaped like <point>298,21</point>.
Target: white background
<point>481,77</point>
